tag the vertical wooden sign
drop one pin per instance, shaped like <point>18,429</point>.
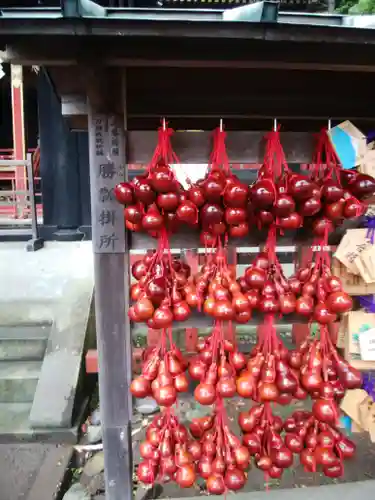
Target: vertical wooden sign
<point>108,232</point>
<point>107,168</point>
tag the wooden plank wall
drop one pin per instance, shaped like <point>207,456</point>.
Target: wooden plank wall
<point>243,147</point>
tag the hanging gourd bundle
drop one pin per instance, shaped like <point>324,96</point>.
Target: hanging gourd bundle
<point>340,190</point>
<point>322,296</point>
<point>221,197</point>
<point>224,461</point>
<point>264,284</point>
<point>216,366</point>
<point>320,445</point>
<point>163,372</point>
<point>167,452</point>
<point>214,288</point>
<point>156,199</point>
<point>279,196</point>
<point>159,293</point>
<point>268,376</point>
<point>323,374</point>
<point>262,437</point>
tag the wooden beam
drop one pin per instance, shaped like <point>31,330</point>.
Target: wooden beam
<point>107,156</point>
<point>19,56</point>
<point>311,124</point>
<point>162,27</point>
<point>281,65</point>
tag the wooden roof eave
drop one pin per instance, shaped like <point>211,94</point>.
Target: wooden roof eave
<point>69,39</point>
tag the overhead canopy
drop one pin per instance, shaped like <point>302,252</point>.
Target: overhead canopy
<point>80,27</point>
<point>200,65</point>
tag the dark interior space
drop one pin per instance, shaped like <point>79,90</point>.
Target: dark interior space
<point>30,109</point>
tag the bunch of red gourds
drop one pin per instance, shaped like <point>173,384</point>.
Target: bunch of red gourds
<point>167,452</point>
<point>156,199</point>
<point>268,377</point>
<point>220,196</point>
<point>320,201</point>
<point>320,446</point>
<point>215,289</point>
<point>342,191</point>
<point>264,284</point>
<point>216,366</point>
<point>221,206</point>
<point>324,374</point>
<point>224,461</point>
<point>321,295</point>
<point>262,437</point>
<point>159,293</point>
<point>163,373</point>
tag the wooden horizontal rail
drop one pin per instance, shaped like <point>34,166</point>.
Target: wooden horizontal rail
<point>92,363</point>
<point>202,321</point>
<point>239,249</point>
<point>11,170</point>
<point>13,163</point>
<point>286,243</point>
<point>9,192</point>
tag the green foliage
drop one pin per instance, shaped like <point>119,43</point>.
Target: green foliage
<point>355,6</point>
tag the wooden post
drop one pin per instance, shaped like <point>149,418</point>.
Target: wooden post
<point>19,148</point>
<point>107,168</point>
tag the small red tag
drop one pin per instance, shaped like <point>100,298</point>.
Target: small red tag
<point>191,339</point>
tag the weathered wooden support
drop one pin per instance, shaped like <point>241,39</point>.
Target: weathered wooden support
<point>107,167</point>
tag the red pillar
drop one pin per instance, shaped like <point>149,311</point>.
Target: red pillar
<point>19,148</point>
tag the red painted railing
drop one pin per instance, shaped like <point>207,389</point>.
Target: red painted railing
<point>11,209</point>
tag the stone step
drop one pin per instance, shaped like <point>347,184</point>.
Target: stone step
<point>15,427</point>
<point>24,342</point>
<point>18,381</point>
<point>14,415</point>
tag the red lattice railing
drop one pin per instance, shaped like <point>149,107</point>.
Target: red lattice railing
<point>9,209</point>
